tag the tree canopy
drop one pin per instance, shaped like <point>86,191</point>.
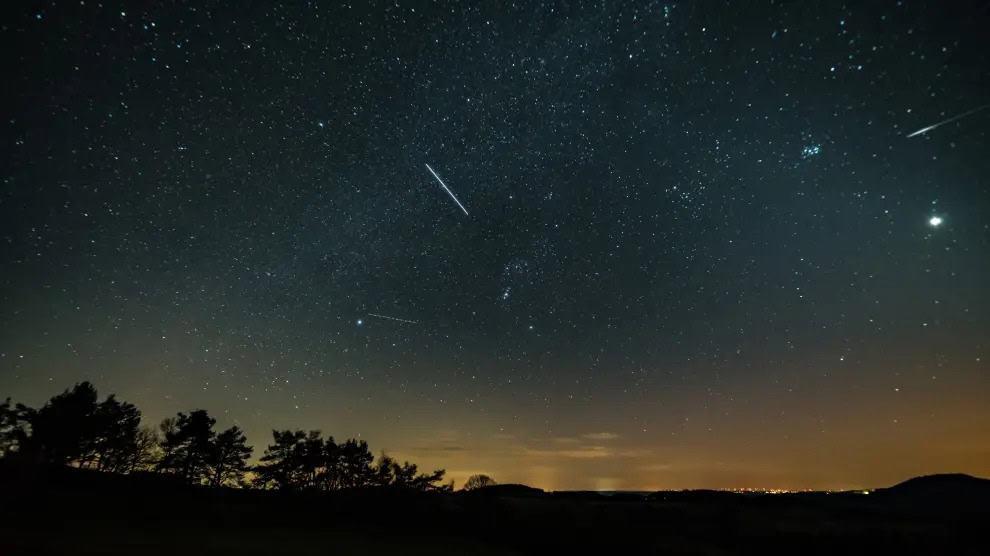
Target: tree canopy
<point>479,481</point>
<point>76,429</point>
<point>301,461</point>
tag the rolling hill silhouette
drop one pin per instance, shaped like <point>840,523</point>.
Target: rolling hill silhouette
<point>941,484</point>
<point>957,491</point>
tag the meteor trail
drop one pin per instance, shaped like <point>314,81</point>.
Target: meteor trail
<point>943,122</point>
<point>447,189</point>
<point>392,318</point>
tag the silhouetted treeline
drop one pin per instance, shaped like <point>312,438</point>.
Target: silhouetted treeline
<point>75,429</point>
<point>299,461</point>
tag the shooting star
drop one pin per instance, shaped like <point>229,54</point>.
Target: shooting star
<point>924,130</point>
<point>447,189</point>
<point>392,318</point>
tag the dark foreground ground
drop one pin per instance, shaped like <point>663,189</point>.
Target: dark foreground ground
<point>72,512</point>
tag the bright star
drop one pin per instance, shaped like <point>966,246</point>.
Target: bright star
<point>360,322</point>
<point>935,221</point>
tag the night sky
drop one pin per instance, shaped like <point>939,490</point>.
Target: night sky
<point>700,248</point>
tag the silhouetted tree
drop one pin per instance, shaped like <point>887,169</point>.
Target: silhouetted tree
<point>74,428</point>
<point>310,461</point>
<point>479,481</point>
<point>227,461</point>
<point>389,473</point>
<point>355,464</point>
<point>277,468</point>
<point>332,476</point>
<point>114,446</point>
<point>166,450</point>
<point>12,428</point>
<point>430,482</point>
<point>8,424</point>
<point>148,452</point>
<point>383,471</point>
<point>305,461</point>
<point>298,461</point>
<point>187,444</point>
<point>63,431</point>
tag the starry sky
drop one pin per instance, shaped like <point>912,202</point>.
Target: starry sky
<point>700,248</point>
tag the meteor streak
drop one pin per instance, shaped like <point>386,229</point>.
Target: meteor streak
<point>392,318</point>
<point>924,130</point>
<point>447,189</point>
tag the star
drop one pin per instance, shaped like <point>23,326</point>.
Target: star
<point>935,221</point>
<point>360,322</point>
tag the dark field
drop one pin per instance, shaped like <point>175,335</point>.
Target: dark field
<point>72,512</point>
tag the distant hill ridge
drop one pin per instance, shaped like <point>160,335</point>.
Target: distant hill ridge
<point>940,484</point>
<point>509,490</point>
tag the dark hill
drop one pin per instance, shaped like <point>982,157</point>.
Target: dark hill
<point>942,482</point>
<point>508,491</point>
<point>950,488</point>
